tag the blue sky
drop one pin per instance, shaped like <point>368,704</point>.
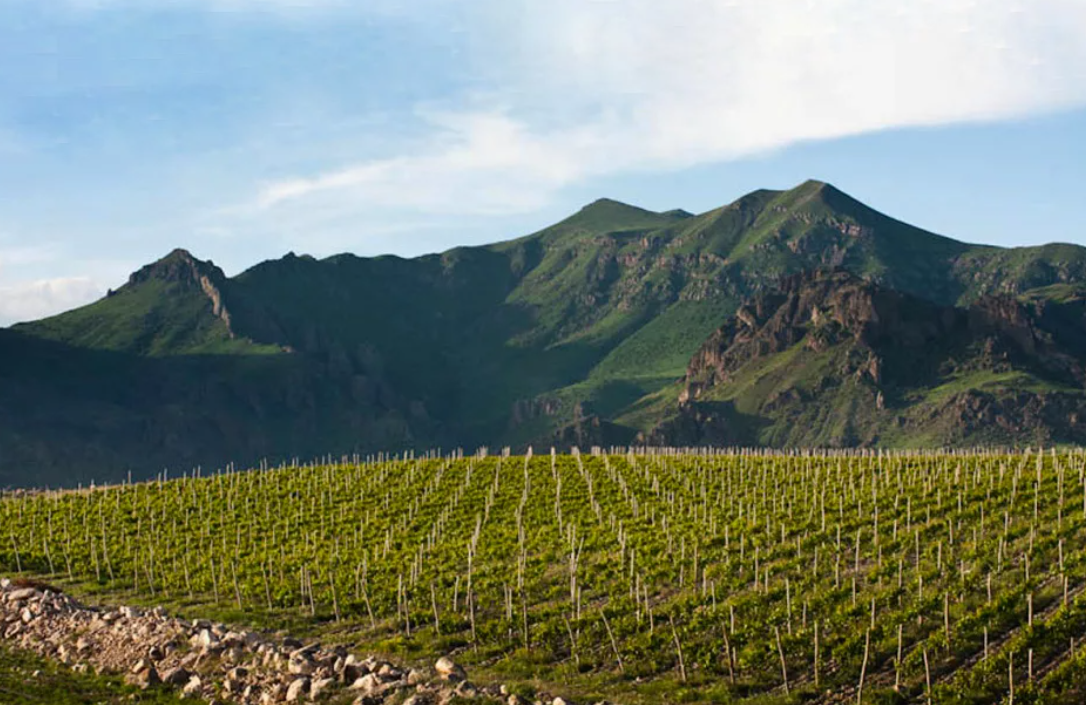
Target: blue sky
<point>243,129</point>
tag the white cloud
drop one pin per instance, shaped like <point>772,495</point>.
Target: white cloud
<point>474,163</point>
<point>31,287</point>
<point>27,301</point>
<point>597,87</point>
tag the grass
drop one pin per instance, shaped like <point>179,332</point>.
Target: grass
<point>987,381</point>
<point>27,679</point>
<point>153,318</point>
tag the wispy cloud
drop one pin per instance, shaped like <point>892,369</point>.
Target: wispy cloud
<point>591,88</point>
<point>475,162</point>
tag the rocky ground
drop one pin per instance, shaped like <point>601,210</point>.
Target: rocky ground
<point>214,663</point>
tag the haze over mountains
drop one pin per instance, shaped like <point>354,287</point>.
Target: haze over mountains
<point>798,317</point>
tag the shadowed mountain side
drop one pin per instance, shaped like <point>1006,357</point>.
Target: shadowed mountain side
<point>71,415</point>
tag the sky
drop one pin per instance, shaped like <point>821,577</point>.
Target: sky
<point>244,129</point>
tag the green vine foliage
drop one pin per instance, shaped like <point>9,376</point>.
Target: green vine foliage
<point>724,575</point>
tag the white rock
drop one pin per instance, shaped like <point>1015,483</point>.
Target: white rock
<point>205,638</point>
<point>297,690</point>
<point>299,667</point>
<point>449,670</point>
<point>192,688</point>
<point>22,594</point>
<point>368,684</point>
<point>321,687</point>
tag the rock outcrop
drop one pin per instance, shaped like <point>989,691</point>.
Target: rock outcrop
<point>180,268</point>
<point>867,355</point>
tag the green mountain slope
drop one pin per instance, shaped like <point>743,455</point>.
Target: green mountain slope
<point>172,307</point>
<point>579,331</point>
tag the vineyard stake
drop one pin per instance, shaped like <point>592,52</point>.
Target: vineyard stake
<point>780,652</point>
<point>863,668</point>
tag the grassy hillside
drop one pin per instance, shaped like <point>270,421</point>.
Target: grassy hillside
<point>171,307</point>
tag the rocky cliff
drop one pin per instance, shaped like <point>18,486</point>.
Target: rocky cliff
<point>830,344</point>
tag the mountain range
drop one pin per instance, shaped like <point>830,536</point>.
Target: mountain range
<point>786,318</point>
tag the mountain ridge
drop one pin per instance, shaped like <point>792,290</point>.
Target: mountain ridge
<point>581,328</point>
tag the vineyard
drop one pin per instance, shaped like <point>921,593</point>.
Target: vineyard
<point>642,577</point>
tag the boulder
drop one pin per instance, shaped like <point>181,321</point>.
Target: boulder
<point>144,679</point>
<point>320,687</point>
<point>297,690</point>
<point>206,639</point>
<point>176,677</point>
<point>301,667</point>
<point>192,688</point>
<point>368,684</point>
<point>22,594</point>
<point>449,670</point>
<point>141,666</point>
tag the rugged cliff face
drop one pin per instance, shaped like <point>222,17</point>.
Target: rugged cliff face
<point>831,344</point>
<point>184,273</point>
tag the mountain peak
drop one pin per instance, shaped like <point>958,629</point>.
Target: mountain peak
<point>610,205</point>
<point>606,215</point>
<point>179,267</point>
<point>813,188</point>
